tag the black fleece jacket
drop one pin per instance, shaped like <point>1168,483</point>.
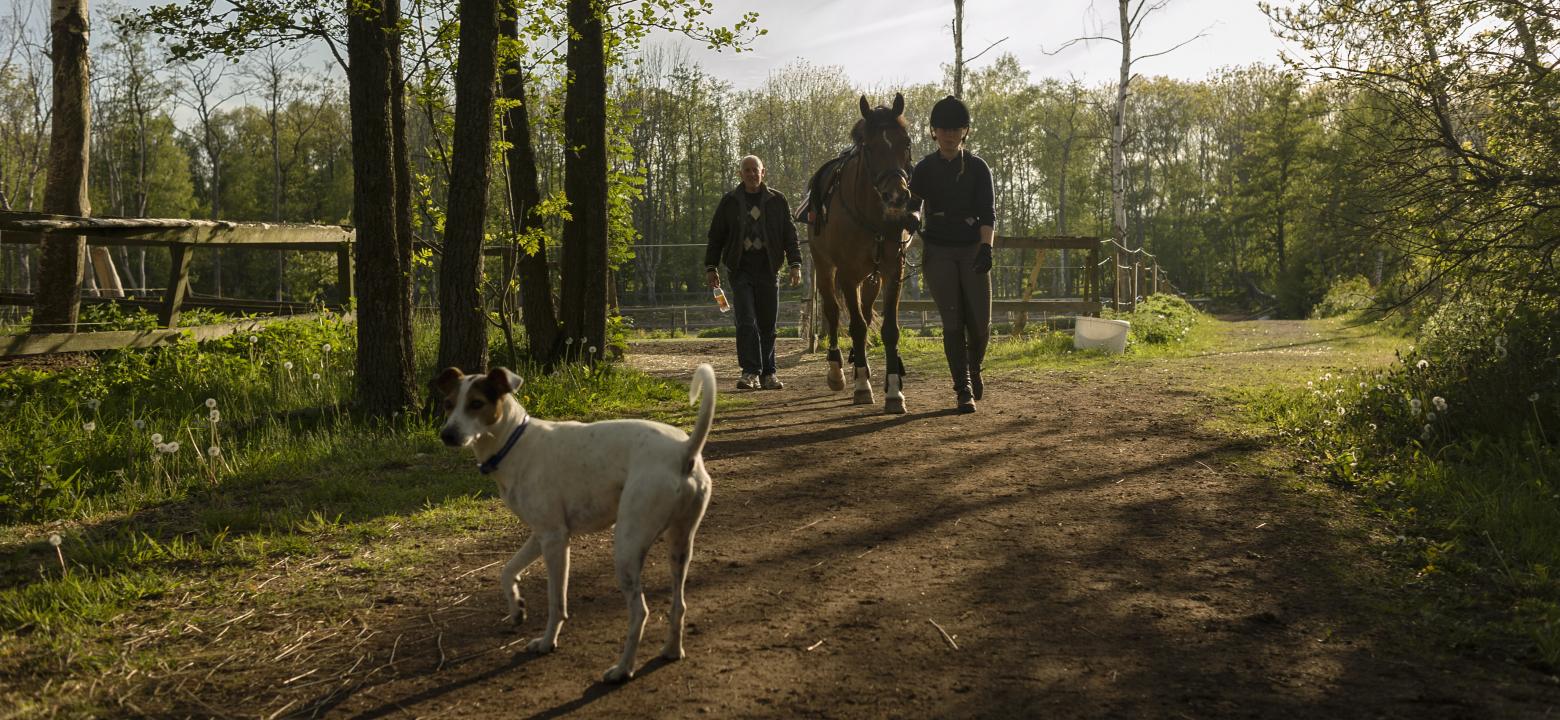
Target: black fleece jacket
<point>725,236</point>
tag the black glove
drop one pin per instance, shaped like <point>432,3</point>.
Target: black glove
<point>983,259</point>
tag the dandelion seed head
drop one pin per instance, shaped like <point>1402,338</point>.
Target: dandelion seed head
<point>1308,383</point>
<point>173,447</point>
<point>139,424</point>
<point>1414,403</point>
<point>254,339</point>
<point>593,349</point>
<point>1439,403</point>
<point>213,451</point>
<point>211,402</point>
<point>92,403</point>
<point>157,438</point>
<point>1342,411</point>
<point>215,416</point>
<point>316,377</point>
<point>287,365</point>
<point>568,341</point>
<point>1422,364</point>
<point>1430,416</point>
<point>89,426</point>
<point>1533,398</point>
<point>325,347</point>
<point>55,539</point>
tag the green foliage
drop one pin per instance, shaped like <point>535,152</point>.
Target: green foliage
<point>1160,320</point>
<point>73,437</point>
<point>1346,296</point>
<point>1458,443</point>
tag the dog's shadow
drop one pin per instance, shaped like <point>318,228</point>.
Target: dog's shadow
<point>594,692</point>
<point>599,690</point>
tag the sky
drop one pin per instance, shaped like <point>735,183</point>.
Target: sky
<point>889,43</point>
<point>885,43</point>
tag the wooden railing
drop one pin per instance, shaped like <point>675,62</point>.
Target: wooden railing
<point>183,238</point>
<point>1087,304</point>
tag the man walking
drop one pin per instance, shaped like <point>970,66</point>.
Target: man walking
<point>752,235</point>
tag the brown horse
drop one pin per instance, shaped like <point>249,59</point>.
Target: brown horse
<point>858,244</point>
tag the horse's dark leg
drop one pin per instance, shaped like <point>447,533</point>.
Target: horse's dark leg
<point>858,345</point>
<point>892,270</point>
<point>823,278</point>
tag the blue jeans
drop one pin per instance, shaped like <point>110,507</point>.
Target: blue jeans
<point>755,305</point>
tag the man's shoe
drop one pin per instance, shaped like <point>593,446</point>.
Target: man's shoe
<point>770,382</point>
<point>748,381</point>
<point>976,386</point>
<point>966,404</point>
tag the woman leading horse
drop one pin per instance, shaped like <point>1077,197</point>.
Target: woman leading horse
<point>858,241</point>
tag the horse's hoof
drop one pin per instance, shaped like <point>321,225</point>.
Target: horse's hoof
<point>864,397</point>
<point>836,382</point>
<point>894,406</point>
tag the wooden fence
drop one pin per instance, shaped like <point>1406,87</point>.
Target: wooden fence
<point>182,238</point>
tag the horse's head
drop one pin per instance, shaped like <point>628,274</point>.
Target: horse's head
<point>886,146</point>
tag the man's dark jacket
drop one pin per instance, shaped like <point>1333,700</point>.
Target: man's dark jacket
<point>725,238</point>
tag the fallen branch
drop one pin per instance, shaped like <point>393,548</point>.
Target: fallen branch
<point>946,636</point>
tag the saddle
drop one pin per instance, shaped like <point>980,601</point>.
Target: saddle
<point>814,207</point>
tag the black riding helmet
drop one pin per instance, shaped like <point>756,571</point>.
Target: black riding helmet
<point>950,114</point>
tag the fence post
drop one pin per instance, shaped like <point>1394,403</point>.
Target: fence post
<point>345,277</point>
<point>1115,289</point>
<point>1155,280</point>
<point>1137,280</point>
<point>178,284</point>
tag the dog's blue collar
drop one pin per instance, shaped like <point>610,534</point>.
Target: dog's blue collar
<point>491,463</point>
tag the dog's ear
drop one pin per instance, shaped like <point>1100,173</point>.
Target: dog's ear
<point>447,382</point>
<point>502,382</point>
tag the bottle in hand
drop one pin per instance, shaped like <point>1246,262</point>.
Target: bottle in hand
<point>720,300</point>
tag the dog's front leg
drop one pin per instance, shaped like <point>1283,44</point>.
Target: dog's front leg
<point>555,551</point>
<point>509,579</point>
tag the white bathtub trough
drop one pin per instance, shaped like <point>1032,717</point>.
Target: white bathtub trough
<point>1097,334</point>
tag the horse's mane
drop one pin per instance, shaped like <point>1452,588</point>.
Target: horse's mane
<point>882,117</point>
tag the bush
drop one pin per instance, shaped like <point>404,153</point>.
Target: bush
<point>1346,296</point>
<point>1459,442</point>
<point>1159,319</point>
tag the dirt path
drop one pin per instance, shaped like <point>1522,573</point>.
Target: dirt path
<point>1087,543</point>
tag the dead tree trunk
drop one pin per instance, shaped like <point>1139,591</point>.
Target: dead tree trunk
<point>58,302</point>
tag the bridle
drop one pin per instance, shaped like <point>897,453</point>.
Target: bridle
<point>896,172</point>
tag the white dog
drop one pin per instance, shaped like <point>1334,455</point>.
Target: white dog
<point>568,478</point>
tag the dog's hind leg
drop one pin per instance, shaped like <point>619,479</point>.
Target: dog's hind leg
<point>679,545</point>
<point>630,544</point>
<point>555,550</point>
<point>509,579</point>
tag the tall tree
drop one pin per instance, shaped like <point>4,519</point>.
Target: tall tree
<point>538,310</point>
<point>584,266</point>
<point>58,303</point>
<point>384,359</point>
<point>462,319</point>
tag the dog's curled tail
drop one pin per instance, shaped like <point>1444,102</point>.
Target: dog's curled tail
<point>703,389</point>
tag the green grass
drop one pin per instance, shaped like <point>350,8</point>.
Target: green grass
<point>142,532</point>
<point>1473,505</point>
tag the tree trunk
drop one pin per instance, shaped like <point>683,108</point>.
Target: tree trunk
<point>402,203</point>
<point>462,322</point>
<point>584,303</point>
<point>58,302</point>
<point>958,48</point>
<point>1118,136</point>
<point>384,374</point>
<point>536,298</point>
